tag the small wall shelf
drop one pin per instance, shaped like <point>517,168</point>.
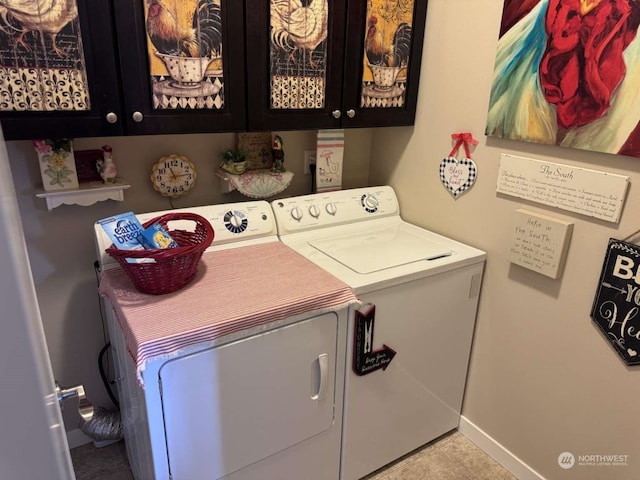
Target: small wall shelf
<point>87,194</point>
<point>261,183</point>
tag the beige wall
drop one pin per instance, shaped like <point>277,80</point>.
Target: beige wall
<point>60,242</point>
<point>543,380</point>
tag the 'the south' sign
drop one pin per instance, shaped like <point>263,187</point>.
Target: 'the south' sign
<point>365,359</point>
<point>616,308</point>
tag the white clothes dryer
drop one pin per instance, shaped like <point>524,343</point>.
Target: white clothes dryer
<point>256,401</point>
<point>408,346</point>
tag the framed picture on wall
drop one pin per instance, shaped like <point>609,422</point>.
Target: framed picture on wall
<point>567,73</point>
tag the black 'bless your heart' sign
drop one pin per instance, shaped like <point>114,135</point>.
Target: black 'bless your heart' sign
<point>616,307</point>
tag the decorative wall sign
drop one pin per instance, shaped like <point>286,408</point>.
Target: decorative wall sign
<point>86,164</point>
<point>57,164</point>
<point>617,302</point>
<point>580,190</point>
<point>458,176</point>
<point>329,157</point>
<point>365,359</point>
<point>540,242</point>
<point>257,149</point>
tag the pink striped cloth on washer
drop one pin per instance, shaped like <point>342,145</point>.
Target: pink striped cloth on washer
<point>235,290</point>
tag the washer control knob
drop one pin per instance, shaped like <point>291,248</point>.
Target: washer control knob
<point>296,213</point>
<point>331,208</point>
<point>235,220</point>
<point>370,203</point>
<point>314,211</point>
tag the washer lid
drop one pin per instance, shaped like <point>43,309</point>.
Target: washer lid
<point>372,251</point>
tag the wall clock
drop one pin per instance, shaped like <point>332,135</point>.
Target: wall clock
<point>173,176</point>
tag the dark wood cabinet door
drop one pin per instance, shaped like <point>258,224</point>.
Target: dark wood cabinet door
<point>182,65</point>
<point>359,91</point>
<point>295,58</point>
<point>60,80</point>
<point>382,66</point>
<point>190,66</point>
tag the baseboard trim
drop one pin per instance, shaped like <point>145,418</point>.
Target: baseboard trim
<point>500,454</point>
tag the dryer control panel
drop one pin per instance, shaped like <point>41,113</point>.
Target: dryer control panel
<point>327,209</point>
<point>235,221</point>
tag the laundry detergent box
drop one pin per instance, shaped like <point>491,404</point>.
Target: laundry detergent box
<point>123,230</point>
<point>155,236</point>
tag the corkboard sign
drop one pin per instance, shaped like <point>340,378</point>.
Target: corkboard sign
<point>540,242</point>
<point>257,148</point>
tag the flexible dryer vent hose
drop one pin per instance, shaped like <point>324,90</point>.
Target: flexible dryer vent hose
<point>103,425</point>
<point>96,422</point>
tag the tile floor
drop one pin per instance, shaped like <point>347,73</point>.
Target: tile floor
<point>451,457</point>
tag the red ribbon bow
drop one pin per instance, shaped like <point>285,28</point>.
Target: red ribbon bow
<point>464,138</point>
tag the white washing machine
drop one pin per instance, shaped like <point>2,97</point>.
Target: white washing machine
<point>408,347</point>
<point>263,403</point>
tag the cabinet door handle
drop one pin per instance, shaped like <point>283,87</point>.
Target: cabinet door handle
<point>336,114</point>
<point>323,366</point>
<point>351,113</point>
<point>137,117</point>
<point>111,117</point>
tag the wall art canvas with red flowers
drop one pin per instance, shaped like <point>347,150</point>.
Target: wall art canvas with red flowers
<point>567,72</point>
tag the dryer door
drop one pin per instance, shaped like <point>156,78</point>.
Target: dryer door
<point>233,405</point>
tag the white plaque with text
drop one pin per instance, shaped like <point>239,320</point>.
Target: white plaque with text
<point>540,242</point>
<point>580,190</point>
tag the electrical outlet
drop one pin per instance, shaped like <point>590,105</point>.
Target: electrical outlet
<point>309,158</point>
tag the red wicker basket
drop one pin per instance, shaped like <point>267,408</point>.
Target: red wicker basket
<point>173,268</point>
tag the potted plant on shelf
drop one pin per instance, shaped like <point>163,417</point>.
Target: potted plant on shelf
<point>234,161</point>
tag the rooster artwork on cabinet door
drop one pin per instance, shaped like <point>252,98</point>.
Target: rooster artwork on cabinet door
<point>387,48</point>
<point>42,65</point>
<point>185,53</point>
<point>298,53</point>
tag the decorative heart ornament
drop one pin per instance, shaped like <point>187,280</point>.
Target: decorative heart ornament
<point>458,176</point>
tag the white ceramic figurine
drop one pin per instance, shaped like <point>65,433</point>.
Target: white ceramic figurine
<point>107,166</point>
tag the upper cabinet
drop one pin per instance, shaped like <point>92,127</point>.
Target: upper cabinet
<point>79,68</point>
<point>333,64</point>
<point>57,69</point>
<point>72,68</point>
